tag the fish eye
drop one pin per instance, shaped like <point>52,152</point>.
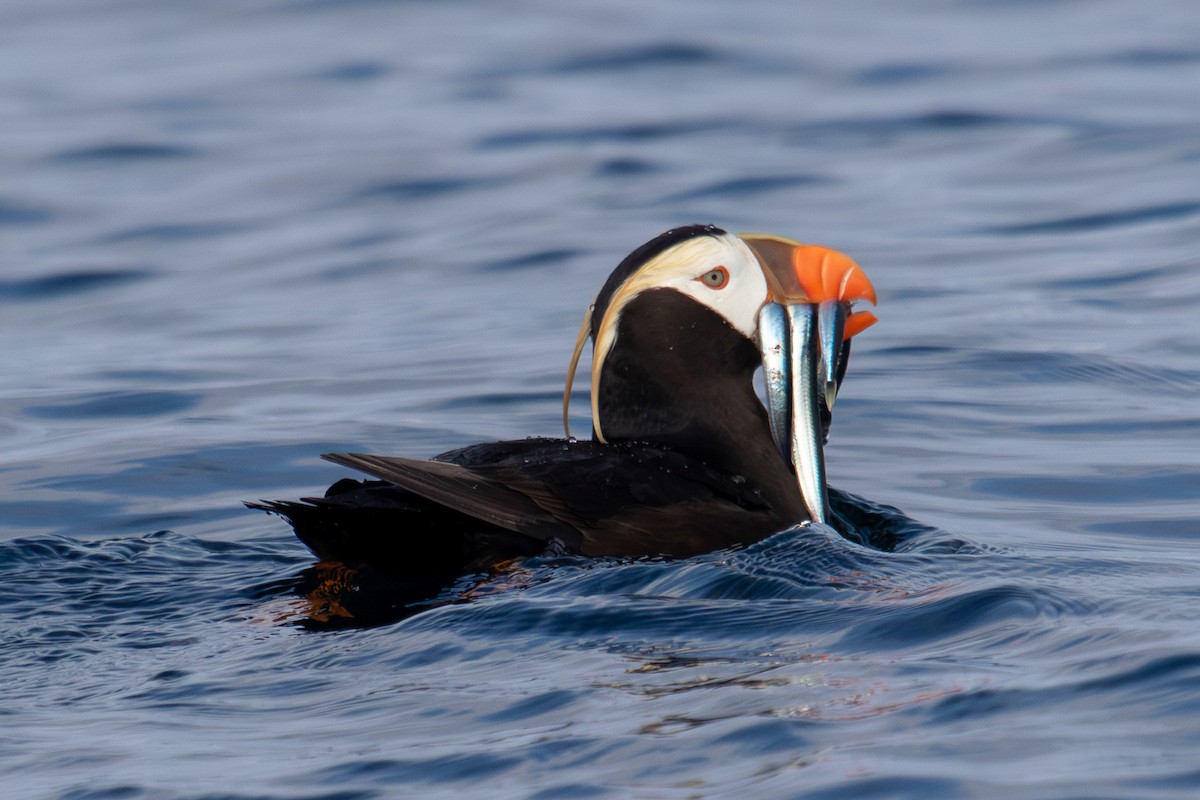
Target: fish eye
<point>715,278</point>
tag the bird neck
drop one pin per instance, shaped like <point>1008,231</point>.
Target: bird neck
<point>680,376</point>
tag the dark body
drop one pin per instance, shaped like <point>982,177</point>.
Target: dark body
<point>543,495</point>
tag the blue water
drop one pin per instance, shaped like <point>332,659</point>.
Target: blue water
<point>235,236</point>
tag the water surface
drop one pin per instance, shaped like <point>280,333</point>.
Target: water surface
<point>233,238</point>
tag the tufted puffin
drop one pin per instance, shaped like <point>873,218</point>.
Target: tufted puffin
<point>684,457</point>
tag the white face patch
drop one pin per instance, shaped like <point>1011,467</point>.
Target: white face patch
<point>685,268</point>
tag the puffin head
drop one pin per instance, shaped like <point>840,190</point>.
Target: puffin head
<point>683,323</point>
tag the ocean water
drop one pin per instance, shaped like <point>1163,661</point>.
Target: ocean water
<point>235,236</point>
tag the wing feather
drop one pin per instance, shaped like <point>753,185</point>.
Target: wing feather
<point>461,489</point>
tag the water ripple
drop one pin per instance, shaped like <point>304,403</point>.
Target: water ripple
<point>875,129</point>
<point>50,287</point>
<point>118,404</point>
<point>407,190</point>
<point>1104,220</point>
<point>352,72</point>
<point>974,613</point>
<point>1186,529</point>
<point>600,134</point>
<point>67,590</point>
<point>998,367</point>
<point>751,186</point>
<point>20,214</point>
<point>905,72</point>
<point>668,54</point>
<point>123,152</point>
<point>1163,680</point>
<point>169,232</point>
<point>1113,486</point>
<point>541,259</point>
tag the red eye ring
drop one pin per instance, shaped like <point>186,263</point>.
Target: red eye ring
<point>715,278</point>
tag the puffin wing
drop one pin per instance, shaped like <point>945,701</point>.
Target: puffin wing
<point>461,489</point>
<point>626,499</point>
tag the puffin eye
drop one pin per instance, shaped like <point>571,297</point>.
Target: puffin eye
<point>715,278</point>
